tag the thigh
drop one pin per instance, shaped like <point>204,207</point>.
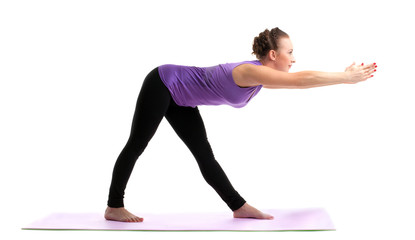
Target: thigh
<point>189,126</point>
<point>152,104</point>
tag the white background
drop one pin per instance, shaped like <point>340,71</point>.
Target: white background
<point>71,71</point>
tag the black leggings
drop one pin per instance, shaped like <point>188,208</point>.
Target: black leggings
<point>155,102</point>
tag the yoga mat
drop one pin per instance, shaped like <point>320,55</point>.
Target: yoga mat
<point>315,219</point>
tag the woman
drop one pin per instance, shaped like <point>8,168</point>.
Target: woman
<point>175,92</point>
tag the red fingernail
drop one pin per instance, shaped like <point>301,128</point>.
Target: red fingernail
<point>362,64</point>
<point>371,75</point>
<point>375,70</point>
<point>374,63</point>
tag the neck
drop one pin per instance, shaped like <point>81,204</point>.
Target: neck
<point>267,62</point>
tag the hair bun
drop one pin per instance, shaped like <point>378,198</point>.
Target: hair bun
<point>266,41</point>
<point>261,45</point>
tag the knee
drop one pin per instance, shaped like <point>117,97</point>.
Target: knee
<point>201,149</point>
<point>135,147</point>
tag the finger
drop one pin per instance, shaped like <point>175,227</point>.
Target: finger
<point>349,67</point>
<point>367,70</point>
<point>370,66</point>
<point>366,74</point>
<point>370,75</point>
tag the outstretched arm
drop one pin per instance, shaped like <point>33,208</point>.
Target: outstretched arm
<point>252,75</point>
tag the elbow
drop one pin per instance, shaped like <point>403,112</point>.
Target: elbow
<point>302,80</point>
<point>301,84</point>
<point>304,85</point>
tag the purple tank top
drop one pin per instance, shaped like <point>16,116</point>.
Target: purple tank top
<point>194,86</point>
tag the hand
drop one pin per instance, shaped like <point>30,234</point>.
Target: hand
<point>358,73</point>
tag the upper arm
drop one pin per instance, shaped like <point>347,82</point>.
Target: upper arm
<point>253,75</point>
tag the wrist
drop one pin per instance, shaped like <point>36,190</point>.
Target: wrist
<point>346,77</point>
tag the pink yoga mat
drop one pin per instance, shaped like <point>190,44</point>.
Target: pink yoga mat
<point>284,220</point>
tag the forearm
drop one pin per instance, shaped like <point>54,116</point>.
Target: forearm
<point>311,79</point>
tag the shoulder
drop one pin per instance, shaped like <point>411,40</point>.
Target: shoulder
<point>246,73</point>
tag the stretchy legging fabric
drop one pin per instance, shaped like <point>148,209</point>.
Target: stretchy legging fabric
<point>155,102</point>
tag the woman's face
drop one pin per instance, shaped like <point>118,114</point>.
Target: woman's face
<point>284,58</point>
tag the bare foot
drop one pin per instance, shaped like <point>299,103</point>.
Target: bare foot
<point>121,215</point>
<point>247,211</point>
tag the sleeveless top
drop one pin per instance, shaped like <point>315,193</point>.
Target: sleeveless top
<point>194,86</point>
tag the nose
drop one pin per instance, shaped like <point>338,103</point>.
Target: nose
<point>293,59</point>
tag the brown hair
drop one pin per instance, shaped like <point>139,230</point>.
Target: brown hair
<point>266,41</point>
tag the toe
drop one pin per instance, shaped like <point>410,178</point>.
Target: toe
<point>267,216</point>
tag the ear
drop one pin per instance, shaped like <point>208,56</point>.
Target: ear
<point>272,54</point>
